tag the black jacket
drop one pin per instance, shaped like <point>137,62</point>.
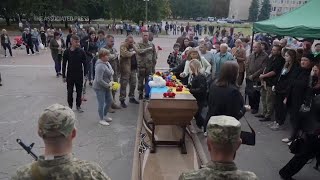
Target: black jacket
<point>179,69</point>
<point>274,64</point>
<point>284,80</point>
<point>76,61</point>
<point>28,39</point>
<point>3,39</point>
<point>298,89</point>
<point>43,35</point>
<point>311,123</point>
<point>90,47</point>
<point>225,101</point>
<point>198,88</point>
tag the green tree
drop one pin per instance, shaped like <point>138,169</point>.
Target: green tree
<point>116,9</point>
<point>191,8</point>
<point>254,11</point>
<point>219,8</point>
<point>265,10</point>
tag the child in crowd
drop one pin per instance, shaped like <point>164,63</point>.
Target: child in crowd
<point>174,58</point>
<point>198,88</point>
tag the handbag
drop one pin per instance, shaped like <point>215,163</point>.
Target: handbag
<point>297,145</point>
<point>248,138</point>
<point>41,46</point>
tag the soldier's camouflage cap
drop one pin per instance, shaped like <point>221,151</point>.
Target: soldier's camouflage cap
<point>224,129</point>
<point>56,120</point>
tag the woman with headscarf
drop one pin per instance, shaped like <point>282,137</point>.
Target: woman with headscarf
<point>297,94</point>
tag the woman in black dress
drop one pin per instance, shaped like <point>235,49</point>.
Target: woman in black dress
<point>281,88</point>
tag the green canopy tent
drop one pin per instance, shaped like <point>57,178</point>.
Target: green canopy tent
<point>303,22</point>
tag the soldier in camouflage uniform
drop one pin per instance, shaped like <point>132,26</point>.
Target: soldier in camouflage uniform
<point>223,142</point>
<point>146,54</point>
<point>56,126</point>
<point>128,71</point>
<point>155,56</point>
<point>115,64</point>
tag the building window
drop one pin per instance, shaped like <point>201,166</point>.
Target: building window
<point>274,8</point>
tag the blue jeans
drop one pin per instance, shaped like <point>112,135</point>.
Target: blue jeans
<point>36,44</point>
<point>91,67</point>
<point>104,102</point>
<point>57,63</point>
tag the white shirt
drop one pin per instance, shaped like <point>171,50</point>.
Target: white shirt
<point>60,45</point>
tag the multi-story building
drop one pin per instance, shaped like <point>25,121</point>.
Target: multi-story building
<point>279,7</point>
<point>239,9</point>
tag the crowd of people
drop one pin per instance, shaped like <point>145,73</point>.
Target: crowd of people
<point>95,58</point>
<point>283,75</point>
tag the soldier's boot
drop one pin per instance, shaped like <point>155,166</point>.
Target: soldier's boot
<point>133,101</point>
<point>111,110</point>
<point>123,104</point>
<point>114,105</point>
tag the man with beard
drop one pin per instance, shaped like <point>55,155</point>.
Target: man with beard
<point>269,76</point>
<point>155,57</point>
<point>114,61</point>
<point>145,58</point>
<point>128,71</point>
<point>254,68</point>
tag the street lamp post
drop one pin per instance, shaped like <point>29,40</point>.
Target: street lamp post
<point>146,10</point>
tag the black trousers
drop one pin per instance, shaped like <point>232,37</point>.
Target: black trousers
<point>310,150</point>
<point>57,63</point>
<point>30,47</point>
<point>198,116</point>
<point>295,120</point>
<point>254,100</point>
<point>94,60</point>
<point>5,47</point>
<point>44,41</point>
<point>71,82</point>
<point>280,108</point>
